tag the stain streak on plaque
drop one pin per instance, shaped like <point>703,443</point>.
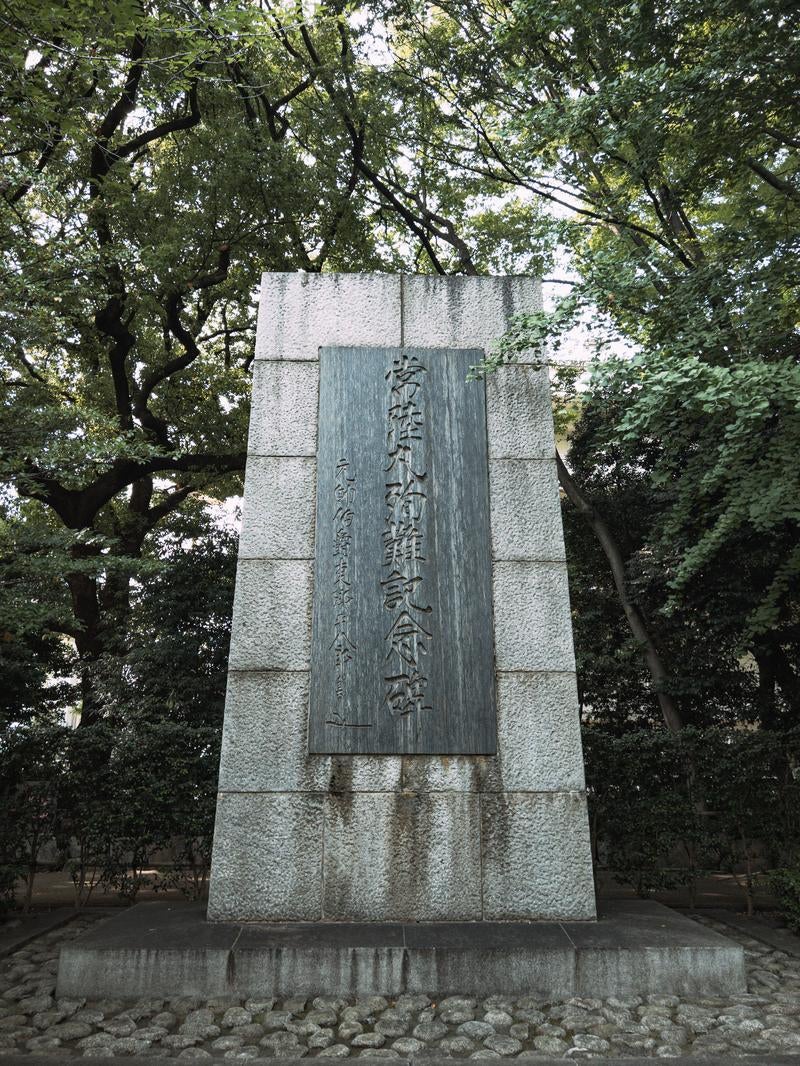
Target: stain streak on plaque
<point>402,654</point>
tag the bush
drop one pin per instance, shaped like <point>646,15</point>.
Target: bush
<point>786,886</point>
<point>667,807</point>
<point>32,762</point>
<point>112,797</point>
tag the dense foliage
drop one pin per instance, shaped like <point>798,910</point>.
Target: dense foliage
<point>142,781</point>
<point>149,177</point>
<point>666,808</point>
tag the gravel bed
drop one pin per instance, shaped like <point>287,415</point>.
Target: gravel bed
<point>765,1020</point>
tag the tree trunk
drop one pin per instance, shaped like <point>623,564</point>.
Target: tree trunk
<point>766,697</point>
<point>659,673</point>
<point>88,643</point>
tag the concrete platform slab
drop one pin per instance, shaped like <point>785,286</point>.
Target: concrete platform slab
<point>159,949</point>
<point>637,942</point>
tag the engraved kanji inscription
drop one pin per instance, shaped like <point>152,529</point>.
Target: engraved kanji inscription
<point>342,645</point>
<point>402,653</point>
<point>404,559</point>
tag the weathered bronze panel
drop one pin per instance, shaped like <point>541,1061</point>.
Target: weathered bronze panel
<point>402,658</point>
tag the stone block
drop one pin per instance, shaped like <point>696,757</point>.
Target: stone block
<point>150,949</point>
<point>390,857</point>
<point>278,513</point>
<point>470,959</point>
<point>539,735</point>
<point>283,409</point>
<point>526,509</point>
<point>365,773</point>
<point>464,312</point>
<point>536,856</point>
<point>635,948</point>
<point>264,738</point>
<point>519,414</point>
<point>640,947</point>
<point>305,968</point>
<point>533,627</point>
<point>267,858</point>
<point>271,627</point>
<point>300,312</point>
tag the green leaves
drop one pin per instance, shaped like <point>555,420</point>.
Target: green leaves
<point>728,440</point>
<point>668,808</point>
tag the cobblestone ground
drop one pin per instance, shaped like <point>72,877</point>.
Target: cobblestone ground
<point>764,1020</point>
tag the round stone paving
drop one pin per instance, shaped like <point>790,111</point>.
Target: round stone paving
<point>765,1020</point>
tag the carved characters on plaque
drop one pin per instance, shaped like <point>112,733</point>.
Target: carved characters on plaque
<point>402,655</point>
<point>404,546</point>
<point>344,492</point>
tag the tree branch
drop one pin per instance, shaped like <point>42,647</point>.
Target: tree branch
<point>773,180</point>
<point>163,129</point>
<point>636,620</point>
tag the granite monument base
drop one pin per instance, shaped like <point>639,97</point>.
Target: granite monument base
<point>469,805</point>
<point>634,948</point>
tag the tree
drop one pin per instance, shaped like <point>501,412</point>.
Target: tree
<point>160,155</point>
<point>150,176</point>
<point>712,684</point>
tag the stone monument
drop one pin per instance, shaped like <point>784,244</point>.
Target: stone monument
<point>401,733</point>
<point>401,795</point>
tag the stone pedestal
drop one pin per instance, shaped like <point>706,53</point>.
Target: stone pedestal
<point>398,838</point>
<point>635,948</point>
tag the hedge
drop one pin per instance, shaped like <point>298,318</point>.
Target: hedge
<point>666,808</point>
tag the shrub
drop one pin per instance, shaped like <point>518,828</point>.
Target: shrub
<point>666,807</point>
<point>785,884</point>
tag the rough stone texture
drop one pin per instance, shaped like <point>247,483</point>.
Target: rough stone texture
<point>543,706</point>
<point>264,735</point>
<point>379,811</point>
<point>396,857</point>
<point>519,417</point>
<point>300,312</point>
<point>536,856</point>
<point>283,409</point>
<point>283,489</point>
<point>526,510</point>
<point>307,970</point>
<point>533,627</point>
<point>454,774</point>
<point>268,857</point>
<point>463,312</point>
<point>271,627</point>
